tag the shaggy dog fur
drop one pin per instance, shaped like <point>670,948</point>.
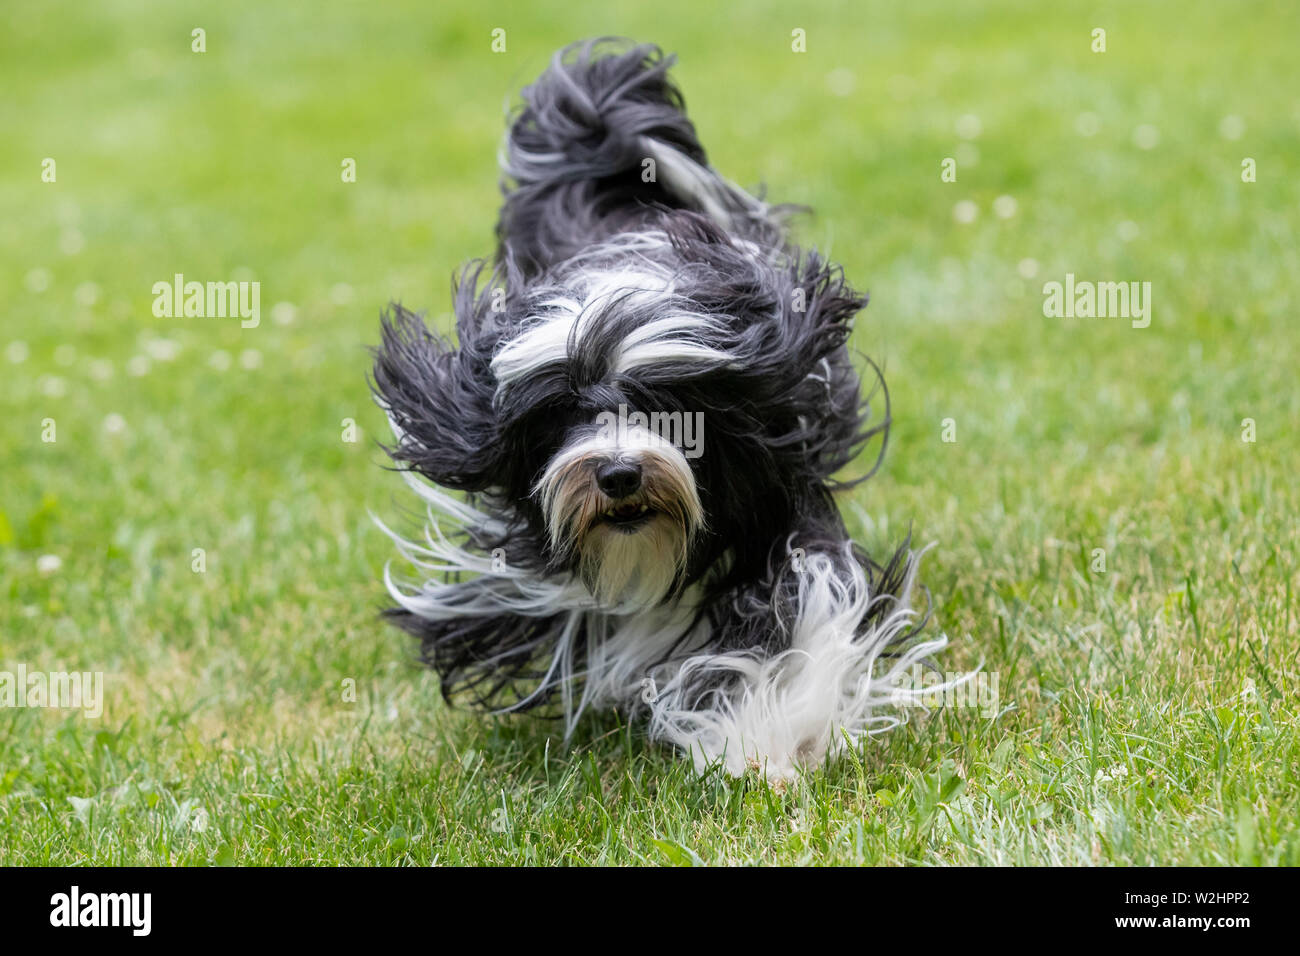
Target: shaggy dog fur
<point>595,557</point>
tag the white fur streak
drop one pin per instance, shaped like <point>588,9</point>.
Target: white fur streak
<point>700,185</point>
<point>498,588</point>
<point>778,714</point>
<point>798,707</point>
<point>565,317</point>
<point>616,664</point>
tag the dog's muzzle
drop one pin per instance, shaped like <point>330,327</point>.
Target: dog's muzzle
<point>623,511</point>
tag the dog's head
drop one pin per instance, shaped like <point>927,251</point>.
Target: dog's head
<point>660,405</point>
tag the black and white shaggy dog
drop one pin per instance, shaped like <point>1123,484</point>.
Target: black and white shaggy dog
<point>648,401</point>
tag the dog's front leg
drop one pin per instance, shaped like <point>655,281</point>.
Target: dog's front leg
<point>820,683</point>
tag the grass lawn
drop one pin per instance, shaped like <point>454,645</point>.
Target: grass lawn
<point>1108,545</point>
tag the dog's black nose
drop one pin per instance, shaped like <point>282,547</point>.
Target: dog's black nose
<point>618,479</point>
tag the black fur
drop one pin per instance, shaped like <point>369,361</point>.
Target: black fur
<point>782,419</point>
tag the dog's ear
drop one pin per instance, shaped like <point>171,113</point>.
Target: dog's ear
<point>835,420</point>
<point>438,397</point>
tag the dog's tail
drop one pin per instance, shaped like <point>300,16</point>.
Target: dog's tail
<point>602,145</point>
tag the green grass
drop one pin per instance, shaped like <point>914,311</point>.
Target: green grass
<point>1149,711</point>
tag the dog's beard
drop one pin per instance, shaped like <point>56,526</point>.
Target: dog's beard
<point>630,551</point>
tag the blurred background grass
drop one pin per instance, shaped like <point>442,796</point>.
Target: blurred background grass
<point>176,434</point>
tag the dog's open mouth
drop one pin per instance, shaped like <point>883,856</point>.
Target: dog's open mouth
<point>628,515</point>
